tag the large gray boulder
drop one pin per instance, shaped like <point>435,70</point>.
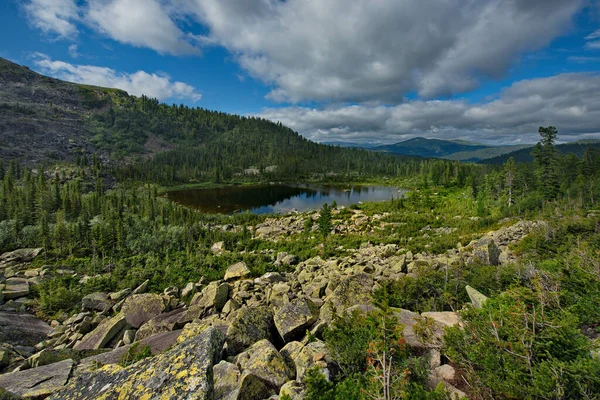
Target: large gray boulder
<point>294,318</point>
<point>38,382</point>
<point>184,372</point>
<point>478,299</point>
<point>19,329</point>
<point>248,326</point>
<point>141,308</point>
<point>19,256</point>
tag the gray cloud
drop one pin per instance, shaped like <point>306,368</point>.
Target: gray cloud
<point>360,51</point>
<point>335,50</point>
<point>568,101</point>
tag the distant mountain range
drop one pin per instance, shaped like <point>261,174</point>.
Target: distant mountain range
<point>461,150</point>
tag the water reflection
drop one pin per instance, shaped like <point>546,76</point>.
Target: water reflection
<point>262,199</point>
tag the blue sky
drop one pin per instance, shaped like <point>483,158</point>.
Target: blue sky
<point>485,70</point>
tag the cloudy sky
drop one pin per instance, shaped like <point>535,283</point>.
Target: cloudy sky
<point>364,71</point>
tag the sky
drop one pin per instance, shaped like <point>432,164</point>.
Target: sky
<point>361,71</point>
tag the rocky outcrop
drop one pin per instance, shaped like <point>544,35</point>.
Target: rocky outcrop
<point>186,371</point>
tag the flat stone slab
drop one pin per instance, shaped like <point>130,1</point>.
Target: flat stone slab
<point>38,382</point>
<point>20,329</point>
<point>102,335</point>
<point>15,288</point>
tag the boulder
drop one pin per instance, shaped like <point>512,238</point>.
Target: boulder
<point>103,334</point>
<point>444,318</point>
<point>188,292</point>
<point>349,292</point>
<point>477,298</point>
<point>294,318</point>
<point>311,355</point>
<point>248,326</point>
<point>143,288</point>
<point>293,390</point>
<point>214,296</point>
<point>38,382</point>
<point>98,301</point>
<point>231,384</point>
<point>186,371</point>
<point>120,295</point>
<point>218,248</point>
<point>20,255</point>
<point>19,329</point>
<point>164,322</point>
<point>15,288</point>
<point>264,361</point>
<point>237,271</point>
<point>141,308</point>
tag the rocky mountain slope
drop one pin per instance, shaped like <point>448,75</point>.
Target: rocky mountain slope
<point>236,338</point>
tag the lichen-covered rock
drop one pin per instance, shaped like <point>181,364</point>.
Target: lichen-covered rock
<point>294,318</point>
<point>37,382</point>
<point>20,329</point>
<point>231,384</point>
<point>192,330</point>
<point>248,326</point>
<point>349,292</point>
<point>237,271</point>
<point>214,296</point>
<point>293,390</point>
<point>290,352</point>
<point>98,301</point>
<point>264,361</point>
<point>157,343</point>
<point>311,355</point>
<point>103,334</point>
<point>445,318</point>
<point>185,372</point>
<point>141,308</point>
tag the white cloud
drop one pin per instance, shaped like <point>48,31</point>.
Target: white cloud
<point>363,50</point>
<point>55,17</point>
<point>568,101</point>
<point>592,41</point>
<point>74,51</point>
<point>151,84</point>
<point>142,23</point>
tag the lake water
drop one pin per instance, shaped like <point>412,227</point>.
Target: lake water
<point>265,199</point>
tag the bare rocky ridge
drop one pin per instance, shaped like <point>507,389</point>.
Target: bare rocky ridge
<point>238,338</point>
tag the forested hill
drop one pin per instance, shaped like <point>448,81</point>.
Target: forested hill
<point>45,119</point>
<point>524,155</point>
